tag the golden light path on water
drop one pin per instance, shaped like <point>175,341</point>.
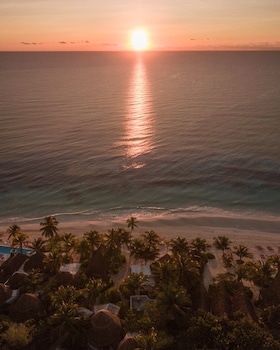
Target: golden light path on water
<point>138,126</point>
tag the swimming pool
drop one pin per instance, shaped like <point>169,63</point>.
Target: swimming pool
<point>5,249</point>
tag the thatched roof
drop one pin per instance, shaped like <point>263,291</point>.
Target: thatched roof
<point>221,301</point>
<point>27,306</point>
<point>271,295</point>
<point>35,262</point>
<point>17,280</point>
<point>241,302</point>
<point>5,293</point>
<point>164,259</point>
<point>98,266</point>
<point>11,265</point>
<point>200,298</point>
<point>106,330</point>
<point>128,343</point>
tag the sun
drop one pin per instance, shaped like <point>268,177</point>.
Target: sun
<point>139,40</point>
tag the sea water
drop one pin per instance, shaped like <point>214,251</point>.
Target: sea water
<point>98,135</point>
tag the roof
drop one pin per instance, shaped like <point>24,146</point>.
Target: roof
<point>137,302</point>
<point>241,302</point>
<point>221,301</point>
<point>200,298</point>
<point>164,259</point>
<point>146,269</point>
<point>128,343</point>
<point>111,307</point>
<point>35,262</point>
<point>98,266</point>
<point>27,306</point>
<point>17,280</point>
<point>106,330</point>
<point>10,266</point>
<point>72,268</point>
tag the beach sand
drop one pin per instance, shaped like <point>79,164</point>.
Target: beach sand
<point>261,236</point>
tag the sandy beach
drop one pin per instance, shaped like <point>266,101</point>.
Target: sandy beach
<point>252,232</point>
<point>248,231</point>
<point>261,236</point>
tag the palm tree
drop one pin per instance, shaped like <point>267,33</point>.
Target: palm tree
<point>53,261</point>
<point>165,273</point>
<point>13,230</point>
<point>113,240</point>
<point>34,281</point>
<point>19,240</point>
<point>66,295</point>
<point>136,248</point>
<point>68,327</point>
<point>151,238</point>
<point>85,251</point>
<point>261,272</point>
<point>199,244</point>
<point>132,284</point>
<point>125,237</point>
<point>179,245</point>
<point>149,341</point>
<point>38,245</point>
<point>242,252</point>
<point>173,302</point>
<point>222,243</point>
<point>131,223</point>
<point>188,270</point>
<point>139,249</point>
<point>94,239</point>
<point>241,271</point>
<point>49,227</point>
<point>70,243</point>
<point>92,290</point>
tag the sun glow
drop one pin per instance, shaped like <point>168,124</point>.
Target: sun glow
<point>139,40</point>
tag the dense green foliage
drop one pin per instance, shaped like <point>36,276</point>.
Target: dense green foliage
<point>171,320</point>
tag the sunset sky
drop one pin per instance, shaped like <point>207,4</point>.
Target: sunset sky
<point>40,25</point>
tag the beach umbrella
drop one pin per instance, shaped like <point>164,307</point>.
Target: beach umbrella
<point>26,307</point>
<point>106,330</point>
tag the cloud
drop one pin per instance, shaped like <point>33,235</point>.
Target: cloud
<point>30,43</point>
<point>75,42</point>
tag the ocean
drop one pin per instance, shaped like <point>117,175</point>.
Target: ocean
<point>106,135</point>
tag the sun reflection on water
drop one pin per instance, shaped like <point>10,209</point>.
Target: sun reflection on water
<point>138,125</point>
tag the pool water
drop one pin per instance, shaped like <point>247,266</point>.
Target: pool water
<point>4,249</point>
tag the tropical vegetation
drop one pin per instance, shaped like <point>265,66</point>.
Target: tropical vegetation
<point>180,313</point>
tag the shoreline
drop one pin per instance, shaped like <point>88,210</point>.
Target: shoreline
<point>249,231</point>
